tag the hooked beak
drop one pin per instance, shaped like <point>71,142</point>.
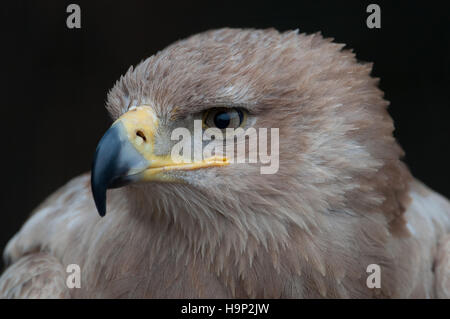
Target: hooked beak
<point>125,155</point>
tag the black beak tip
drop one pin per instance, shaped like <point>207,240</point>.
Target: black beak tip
<point>102,212</point>
<point>99,194</point>
<point>104,167</point>
<point>113,159</point>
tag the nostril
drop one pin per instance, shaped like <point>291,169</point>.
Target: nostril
<point>141,135</point>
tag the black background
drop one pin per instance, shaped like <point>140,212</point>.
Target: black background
<point>54,80</point>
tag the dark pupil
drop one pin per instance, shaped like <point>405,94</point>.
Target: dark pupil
<point>222,120</point>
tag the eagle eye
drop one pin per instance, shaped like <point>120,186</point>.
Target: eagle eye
<point>223,118</point>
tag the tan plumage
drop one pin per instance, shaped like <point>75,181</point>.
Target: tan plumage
<point>340,201</point>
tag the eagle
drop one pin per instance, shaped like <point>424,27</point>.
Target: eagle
<point>143,224</point>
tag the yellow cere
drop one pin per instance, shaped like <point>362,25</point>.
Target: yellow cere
<point>141,124</point>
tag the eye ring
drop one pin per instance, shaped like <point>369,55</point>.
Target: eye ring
<point>224,117</point>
